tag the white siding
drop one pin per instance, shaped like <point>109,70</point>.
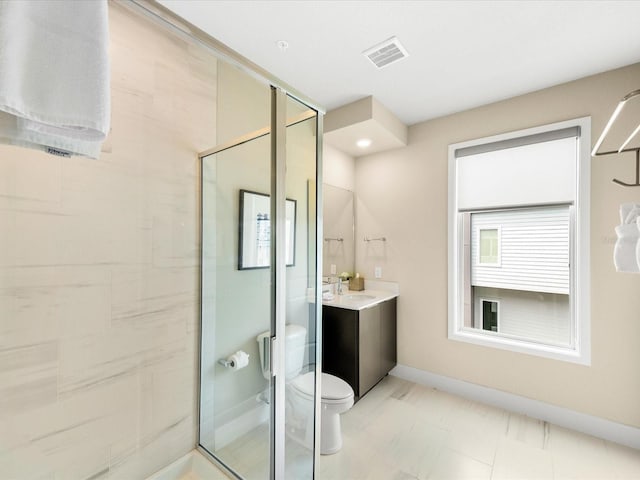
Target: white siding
<point>534,249</point>
<point>544,318</point>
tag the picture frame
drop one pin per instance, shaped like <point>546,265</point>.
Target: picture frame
<point>254,231</point>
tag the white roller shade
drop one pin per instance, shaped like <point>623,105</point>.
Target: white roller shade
<point>536,173</point>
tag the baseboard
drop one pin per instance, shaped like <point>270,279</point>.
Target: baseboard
<point>192,462</point>
<point>563,417</point>
<point>242,424</point>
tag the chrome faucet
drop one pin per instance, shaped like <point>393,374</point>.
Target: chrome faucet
<point>339,286</point>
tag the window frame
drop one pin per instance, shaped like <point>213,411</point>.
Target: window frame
<point>580,350</point>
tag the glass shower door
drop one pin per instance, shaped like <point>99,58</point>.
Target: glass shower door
<point>258,198</point>
<point>301,280</point>
<point>235,414</point>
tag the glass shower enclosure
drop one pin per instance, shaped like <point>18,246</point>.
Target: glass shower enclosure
<point>259,281</point>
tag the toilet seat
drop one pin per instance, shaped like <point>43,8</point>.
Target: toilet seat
<point>334,389</point>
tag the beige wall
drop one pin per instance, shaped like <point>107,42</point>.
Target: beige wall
<point>338,168</point>
<point>403,196</point>
<point>99,275</point>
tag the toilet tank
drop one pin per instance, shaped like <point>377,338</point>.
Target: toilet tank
<point>295,346</point>
<point>295,343</point>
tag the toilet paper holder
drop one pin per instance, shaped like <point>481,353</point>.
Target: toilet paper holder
<point>235,361</point>
<point>225,363</point>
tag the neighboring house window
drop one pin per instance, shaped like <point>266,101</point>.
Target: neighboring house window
<point>519,241</point>
<point>489,250</point>
<point>489,315</point>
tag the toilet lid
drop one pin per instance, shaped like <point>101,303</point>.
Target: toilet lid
<point>333,388</point>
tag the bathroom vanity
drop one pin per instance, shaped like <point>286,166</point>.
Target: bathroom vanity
<point>359,338</point>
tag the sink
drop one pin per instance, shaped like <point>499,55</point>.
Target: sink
<point>358,297</point>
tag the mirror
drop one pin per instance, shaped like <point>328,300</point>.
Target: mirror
<point>339,235</point>
<point>254,239</point>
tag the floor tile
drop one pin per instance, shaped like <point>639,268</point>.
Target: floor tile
<point>454,466</point>
<point>404,431</point>
<point>516,459</point>
<point>578,456</point>
<point>625,461</point>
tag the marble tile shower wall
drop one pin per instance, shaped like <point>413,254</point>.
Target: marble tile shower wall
<point>99,275</point>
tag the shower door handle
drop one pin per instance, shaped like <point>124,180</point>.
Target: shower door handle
<point>268,347</point>
<point>270,354</point>
<point>266,353</point>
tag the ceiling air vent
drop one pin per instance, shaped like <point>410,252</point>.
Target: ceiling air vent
<point>386,53</point>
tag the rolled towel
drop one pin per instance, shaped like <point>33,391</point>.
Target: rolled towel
<point>633,215</point>
<point>625,252</point>
<point>625,208</point>
<point>629,212</point>
<point>638,244</point>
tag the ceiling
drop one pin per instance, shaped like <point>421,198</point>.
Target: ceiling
<point>462,54</point>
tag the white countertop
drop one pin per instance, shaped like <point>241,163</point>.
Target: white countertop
<point>358,300</point>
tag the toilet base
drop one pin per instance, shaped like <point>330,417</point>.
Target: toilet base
<point>330,433</point>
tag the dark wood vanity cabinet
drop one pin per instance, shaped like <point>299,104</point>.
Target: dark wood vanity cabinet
<point>359,346</point>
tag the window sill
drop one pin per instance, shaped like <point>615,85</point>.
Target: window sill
<point>566,354</point>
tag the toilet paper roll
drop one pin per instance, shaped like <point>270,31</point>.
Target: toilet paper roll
<point>238,360</point>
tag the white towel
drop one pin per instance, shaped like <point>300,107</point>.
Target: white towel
<point>54,75</point>
<point>625,251</point>
<point>629,212</point>
<point>638,244</point>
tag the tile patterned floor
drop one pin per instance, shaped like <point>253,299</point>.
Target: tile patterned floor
<point>404,431</point>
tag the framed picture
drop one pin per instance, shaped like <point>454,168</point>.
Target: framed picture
<point>254,239</point>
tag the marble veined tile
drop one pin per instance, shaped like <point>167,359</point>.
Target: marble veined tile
<point>625,461</point>
<point>454,465</point>
<point>527,430</point>
<point>103,188</point>
<point>90,461</point>
<point>19,459</point>
<point>474,443</point>
<point>175,241</point>
<point>576,455</point>
<point>440,408</point>
<point>71,437</point>
<point>49,303</point>
<point>518,460</point>
<point>154,451</point>
<point>41,238</point>
<point>97,364</point>
<point>27,356</point>
<point>8,239</point>
<point>30,177</point>
<point>146,295</point>
<point>28,377</point>
<point>405,437</point>
<point>389,433</point>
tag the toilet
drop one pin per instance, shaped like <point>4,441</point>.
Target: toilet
<point>337,395</point>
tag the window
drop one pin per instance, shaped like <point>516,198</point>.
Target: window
<point>519,241</point>
<point>489,312</point>
<point>489,246</point>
